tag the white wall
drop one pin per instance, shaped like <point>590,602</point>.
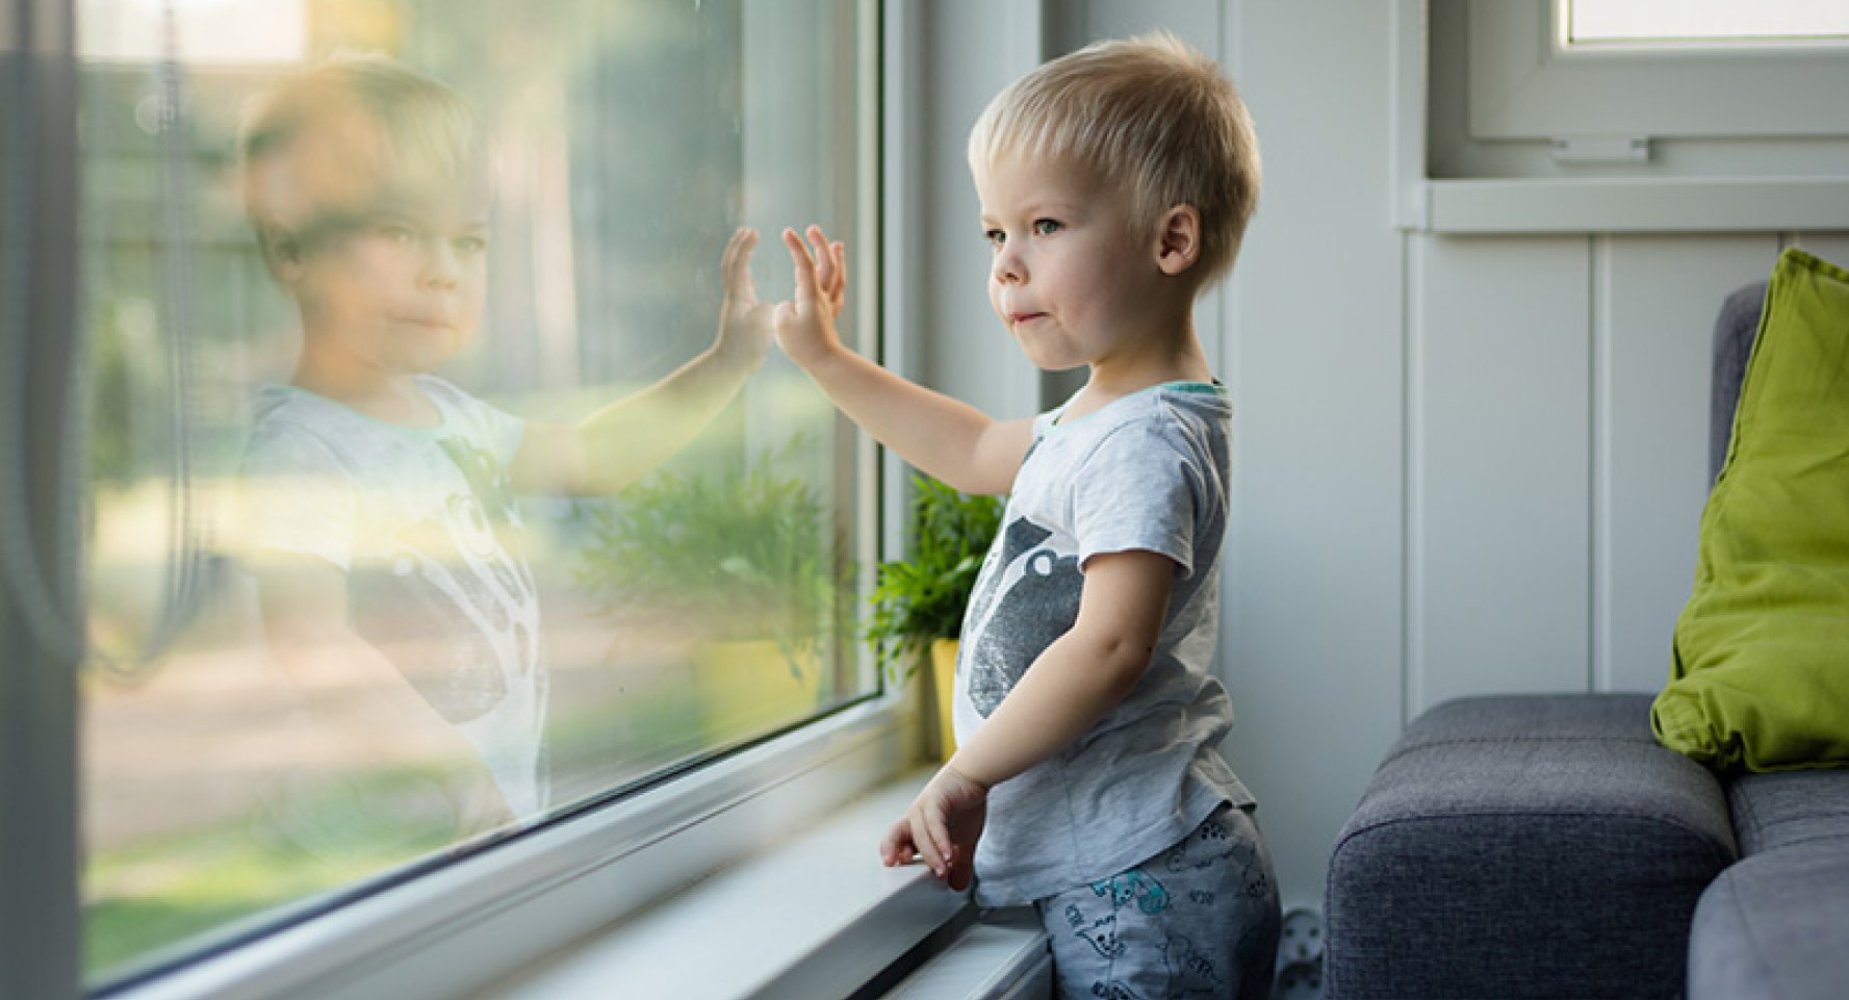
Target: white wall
<point>1462,464</point>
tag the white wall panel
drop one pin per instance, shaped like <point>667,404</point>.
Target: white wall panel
<point>1654,320</point>
<point>973,49</point>
<point>1500,383</point>
<point>1312,638</point>
<point>1833,247</point>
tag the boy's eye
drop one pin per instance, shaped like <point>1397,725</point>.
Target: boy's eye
<point>398,234</point>
<point>469,246</point>
<point>1046,227</point>
<point>995,237</point>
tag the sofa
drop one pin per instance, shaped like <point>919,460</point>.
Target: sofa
<point>1548,846</point>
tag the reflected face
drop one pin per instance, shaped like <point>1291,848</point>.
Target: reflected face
<point>1070,270</point>
<point>384,253</point>
<point>399,286</point>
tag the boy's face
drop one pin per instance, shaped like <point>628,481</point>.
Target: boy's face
<point>1072,272</point>
<point>389,271</point>
<point>398,286</point>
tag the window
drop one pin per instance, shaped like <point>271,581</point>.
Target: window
<point>335,638</point>
<point>1593,23</point>
<point>1574,88</point>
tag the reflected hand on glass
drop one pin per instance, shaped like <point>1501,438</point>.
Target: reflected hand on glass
<point>744,322</point>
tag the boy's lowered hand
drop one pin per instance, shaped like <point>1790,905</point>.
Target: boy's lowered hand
<point>806,326</point>
<point>941,827</point>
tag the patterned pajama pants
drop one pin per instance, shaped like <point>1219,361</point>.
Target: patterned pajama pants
<point>1199,919</point>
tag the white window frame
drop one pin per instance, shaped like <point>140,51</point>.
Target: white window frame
<point>1616,197</point>
<point>1527,86</point>
<point>484,915</point>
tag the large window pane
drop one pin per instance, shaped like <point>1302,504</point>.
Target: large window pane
<point>357,599</point>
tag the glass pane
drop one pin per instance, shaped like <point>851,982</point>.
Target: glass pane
<point>1633,22</point>
<point>444,507</point>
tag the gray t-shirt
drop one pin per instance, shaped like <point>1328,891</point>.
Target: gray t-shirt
<point>1147,472</point>
<point>423,522</point>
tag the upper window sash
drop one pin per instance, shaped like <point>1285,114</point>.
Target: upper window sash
<point>1525,85</point>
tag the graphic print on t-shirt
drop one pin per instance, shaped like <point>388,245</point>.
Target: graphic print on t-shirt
<point>1028,596</point>
<point>447,602</point>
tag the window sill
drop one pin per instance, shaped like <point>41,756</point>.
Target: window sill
<point>485,916</point>
<point>817,915</point>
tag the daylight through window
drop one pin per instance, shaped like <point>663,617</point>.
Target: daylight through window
<point>442,477</point>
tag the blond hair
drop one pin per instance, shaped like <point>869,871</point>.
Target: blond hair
<point>345,128</point>
<point>1151,116</point>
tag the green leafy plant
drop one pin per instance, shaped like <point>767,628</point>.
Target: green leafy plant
<point>922,597</point>
<point>740,554</point>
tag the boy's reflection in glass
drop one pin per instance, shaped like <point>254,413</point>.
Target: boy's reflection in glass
<point>388,551</point>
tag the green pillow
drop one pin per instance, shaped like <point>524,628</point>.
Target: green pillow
<point>1760,677</point>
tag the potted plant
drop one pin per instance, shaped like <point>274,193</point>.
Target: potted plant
<point>918,601</point>
<point>744,559</point>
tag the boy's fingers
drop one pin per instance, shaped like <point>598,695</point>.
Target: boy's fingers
<point>825,274</point>
<point>804,264</point>
<point>960,873</point>
<point>922,841</point>
<point>895,847</point>
<point>839,292</point>
<point>737,264</point>
<point>824,260</point>
<point>729,259</point>
<point>937,831</point>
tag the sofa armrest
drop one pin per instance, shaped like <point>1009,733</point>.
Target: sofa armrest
<point>1524,846</point>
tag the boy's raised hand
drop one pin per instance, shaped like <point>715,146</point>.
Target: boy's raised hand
<point>942,827</point>
<point>744,322</point>
<point>806,327</point>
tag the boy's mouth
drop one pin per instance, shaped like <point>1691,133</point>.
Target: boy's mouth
<point>1016,319</point>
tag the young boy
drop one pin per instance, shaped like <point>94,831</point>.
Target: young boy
<point>1115,184</point>
<point>388,548</point>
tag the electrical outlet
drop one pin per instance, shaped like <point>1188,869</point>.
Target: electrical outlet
<point>1301,981</point>
<point>1300,956</point>
<point>1302,938</point>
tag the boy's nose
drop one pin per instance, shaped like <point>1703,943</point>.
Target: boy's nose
<point>442,268</point>
<point>1008,268</point>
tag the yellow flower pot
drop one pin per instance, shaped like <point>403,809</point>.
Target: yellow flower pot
<point>750,687</point>
<point>943,686</point>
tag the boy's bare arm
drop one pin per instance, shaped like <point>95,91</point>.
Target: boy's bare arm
<point>1082,674</point>
<point>625,440</point>
<point>1072,684</point>
<point>945,437</point>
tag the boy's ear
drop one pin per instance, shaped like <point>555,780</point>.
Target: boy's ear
<point>1178,241</point>
<point>282,250</point>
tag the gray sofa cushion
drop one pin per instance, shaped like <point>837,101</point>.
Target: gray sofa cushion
<point>1776,926</point>
<point>1734,330</point>
<point>1789,807</point>
<point>1524,846</point>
